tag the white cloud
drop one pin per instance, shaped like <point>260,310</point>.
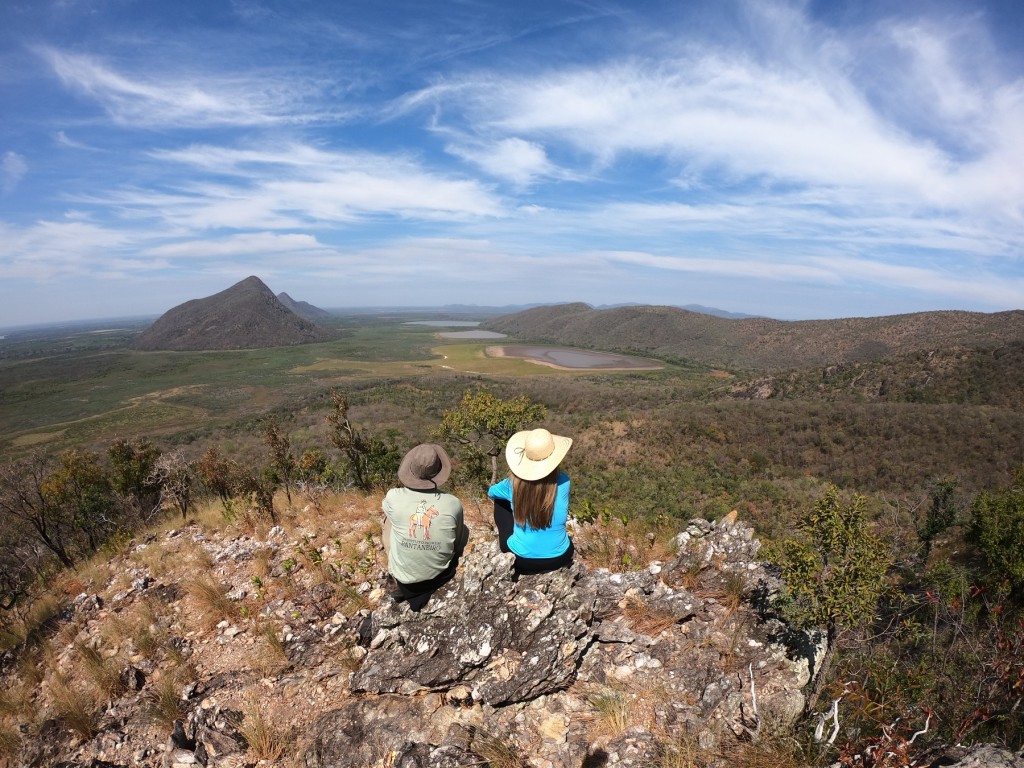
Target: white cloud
<point>179,98</point>
<point>65,141</point>
<point>301,186</point>
<point>250,244</point>
<point>48,249</point>
<point>514,159</point>
<point>12,169</point>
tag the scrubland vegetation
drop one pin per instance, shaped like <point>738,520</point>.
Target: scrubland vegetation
<point>897,512</point>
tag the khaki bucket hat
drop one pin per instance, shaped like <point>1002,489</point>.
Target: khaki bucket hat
<point>425,467</point>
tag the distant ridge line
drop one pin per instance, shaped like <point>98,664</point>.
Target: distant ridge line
<point>757,343</point>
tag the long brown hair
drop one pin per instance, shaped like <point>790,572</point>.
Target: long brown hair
<point>533,501</point>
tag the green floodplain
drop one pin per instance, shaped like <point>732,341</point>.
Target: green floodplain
<point>76,385</point>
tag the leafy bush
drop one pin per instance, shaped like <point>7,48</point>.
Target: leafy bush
<point>997,530</point>
<point>835,575</point>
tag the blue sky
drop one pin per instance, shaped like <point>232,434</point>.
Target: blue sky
<point>793,159</point>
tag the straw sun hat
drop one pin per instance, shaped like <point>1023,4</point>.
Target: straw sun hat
<point>534,453</point>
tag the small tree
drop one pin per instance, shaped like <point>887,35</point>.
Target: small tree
<point>131,467</point>
<point>835,575</point>
<point>175,477</point>
<point>282,462</point>
<point>941,512</point>
<point>218,474</point>
<point>372,461</point>
<point>23,500</point>
<point>80,487</point>
<point>259,487</point>
<point>483,423</point>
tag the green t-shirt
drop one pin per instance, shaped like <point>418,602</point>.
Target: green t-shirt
<point>425,526</point>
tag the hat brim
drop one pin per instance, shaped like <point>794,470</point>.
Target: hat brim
<point>525,469</point>
<point>410,480</point>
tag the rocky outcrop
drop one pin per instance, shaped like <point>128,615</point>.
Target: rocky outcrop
<point>506,640</point>
<point>676,652</point>
<point>230,646</point>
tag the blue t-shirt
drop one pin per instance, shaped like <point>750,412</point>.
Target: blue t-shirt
<point>539,542</point>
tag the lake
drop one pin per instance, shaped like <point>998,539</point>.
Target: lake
<point>473,335</point>
<point>567,357</point>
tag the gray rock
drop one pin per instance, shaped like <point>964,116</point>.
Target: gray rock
<point>364,732</point>
<point>508,640</point>
<point>981,756</point>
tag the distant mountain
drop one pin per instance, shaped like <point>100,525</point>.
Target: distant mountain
<point>691,307</point>
<point>303,308</point>
<point>758,343</point>
<point>717,312</point>
<point>245,316</point>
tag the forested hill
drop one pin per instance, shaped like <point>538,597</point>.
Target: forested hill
<point>759,343</point>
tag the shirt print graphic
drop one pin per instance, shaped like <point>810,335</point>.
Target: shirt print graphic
<point>421,518</point>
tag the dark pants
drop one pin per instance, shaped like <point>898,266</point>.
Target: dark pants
<point>505,520</point>
<point>417,594</point>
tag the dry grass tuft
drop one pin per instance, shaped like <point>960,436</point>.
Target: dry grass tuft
<point>73,707</point>
<point>613,711</point>
<point>31,666</point>
<point>17,704</point>
<point>163,704</point>
<point>27,623</point>
<point>684,752</point>
<point>729,591</point>
<point>646,620</point>
<point>158,557</point>
<point>210,601</point>
<point>10,744</point>
<point>620,706</point>
<point>261,560</point>
<point>265,738</point>
<point>102,673</point>
<point>68,633</point>
<point>211,515</point>
<point>144,629</point>
<point>12,701</point>
<point>624,544</point>
<point>774,753</point>
<point>271,657</point>
<point>195,556</point>
<point>350,599</point>
<point>498,751</point>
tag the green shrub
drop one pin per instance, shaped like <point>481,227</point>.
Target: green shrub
<point>997,530</point>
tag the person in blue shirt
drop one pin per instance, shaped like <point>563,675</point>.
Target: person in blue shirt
<point>531,505</point>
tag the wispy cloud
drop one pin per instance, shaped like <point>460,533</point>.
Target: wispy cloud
<point>12,169</point>
<point>183,98</point>
<point>49,249</point>
<point>301,186</point>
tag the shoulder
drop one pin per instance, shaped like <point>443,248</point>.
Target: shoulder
<point>451,500</point>
<point>501,490</point>
<point>563,479</point>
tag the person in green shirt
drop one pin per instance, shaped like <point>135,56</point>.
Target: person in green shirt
<point>424,530</point>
